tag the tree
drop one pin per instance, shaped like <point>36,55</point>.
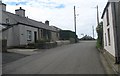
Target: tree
<point>87,37</point>
<point>67,34</point>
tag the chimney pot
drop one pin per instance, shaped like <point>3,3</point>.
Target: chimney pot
<point>47,22</point>
<point>20,12</point>
<point>20,7</point>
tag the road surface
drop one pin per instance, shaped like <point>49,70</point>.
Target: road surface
<point>80,58</point>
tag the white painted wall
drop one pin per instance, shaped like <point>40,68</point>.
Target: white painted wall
<point>12,36</point>
<point>54,36</point>
<point>39,34</point>
<point>17,35</point>
<point>23,34</point>
<point>5,16</point>
<point>111,48</point>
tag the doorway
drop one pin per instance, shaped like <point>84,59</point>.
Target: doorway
<point>35,36</point>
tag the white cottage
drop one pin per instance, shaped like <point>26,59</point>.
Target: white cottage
<point>111,29</point>
<point>20,30</point>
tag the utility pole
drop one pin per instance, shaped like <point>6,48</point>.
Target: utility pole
<point>93,31</point>
<point>75,23</point>
<point>97,16</point>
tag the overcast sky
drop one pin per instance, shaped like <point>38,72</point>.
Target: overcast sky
<point>60,13</point>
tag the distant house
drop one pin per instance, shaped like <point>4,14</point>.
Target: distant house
<point>111,29</point>
<point>20,30</point>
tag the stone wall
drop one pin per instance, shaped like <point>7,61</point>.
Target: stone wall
<point>62,42</point>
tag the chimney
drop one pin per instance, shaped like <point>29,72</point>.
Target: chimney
<point>20,12</point>
<point>47,22</point>
<point>2,6</point>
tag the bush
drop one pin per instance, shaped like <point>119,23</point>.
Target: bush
<point>99,30</point>
<point>31,46</point>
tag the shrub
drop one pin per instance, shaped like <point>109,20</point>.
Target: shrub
<point>99,30</point>
<point>30,45</point>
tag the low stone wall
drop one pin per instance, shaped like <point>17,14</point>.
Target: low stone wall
<point>46,45</point>
<point>62,42</point>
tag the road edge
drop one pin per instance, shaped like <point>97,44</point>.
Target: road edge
<point>109,69</point>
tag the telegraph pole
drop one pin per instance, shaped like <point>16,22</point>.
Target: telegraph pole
<point>97,15</point>
<point>93,31</point>
<point>75,23</point>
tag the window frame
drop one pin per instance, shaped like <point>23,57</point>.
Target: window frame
<point>109,39</point>
<point>7,20</point>
<point>29,35</point>
<point>107,17</point>
<point>105,40</point>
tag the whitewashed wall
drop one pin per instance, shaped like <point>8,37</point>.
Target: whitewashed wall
<point>54,36</point>
<point>111,48</point>
<point>12,36</point>
<point>23,34</point>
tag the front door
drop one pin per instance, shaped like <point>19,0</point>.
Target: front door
<point>35,36</point>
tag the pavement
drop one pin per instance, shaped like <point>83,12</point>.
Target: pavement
<point>15,54</point>
<point>80,58</point>
<point>11,57</point>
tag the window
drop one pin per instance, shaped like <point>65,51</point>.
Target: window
<point>41,33</point>
<point>7,20</point>
<point>107,17</point>
<point>29,35</point>
<point>109,36</point>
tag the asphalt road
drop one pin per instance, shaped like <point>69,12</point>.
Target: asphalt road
<point>10,57</point>
<point>80,58</point>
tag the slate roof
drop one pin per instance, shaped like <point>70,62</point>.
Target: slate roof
<point>26,21</point>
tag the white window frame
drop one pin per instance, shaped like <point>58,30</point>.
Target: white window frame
<point>29,35</point>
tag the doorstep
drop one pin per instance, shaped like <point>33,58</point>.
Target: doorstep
<point>23,51</point>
